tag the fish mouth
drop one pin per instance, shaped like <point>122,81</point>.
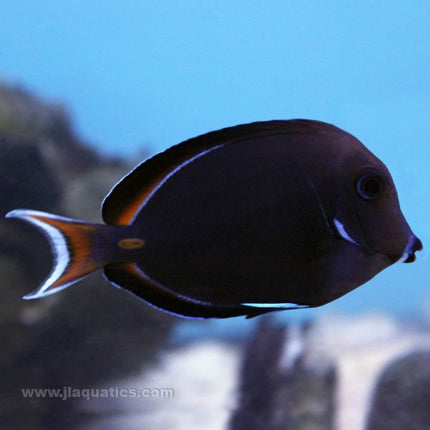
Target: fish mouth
<point>414,244</point>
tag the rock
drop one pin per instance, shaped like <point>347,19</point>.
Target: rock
<point>281,386</point>
<point>198,379</point>
<point>361,346</point>
<point>82,336</point>
<point>92,182</point>
<point>402,395</point>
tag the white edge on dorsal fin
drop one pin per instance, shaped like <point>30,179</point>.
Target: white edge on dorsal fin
<point>173,172</point>
<point>58,247</point>
<point>342,232</point>
<point>275,305</point>
<point>162,182</point>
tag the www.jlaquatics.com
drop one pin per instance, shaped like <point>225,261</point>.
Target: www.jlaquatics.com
<point>65,393</point>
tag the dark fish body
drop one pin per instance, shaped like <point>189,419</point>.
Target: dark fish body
<point>241,221</point>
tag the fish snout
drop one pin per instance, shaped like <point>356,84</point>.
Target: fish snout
<point>414,244</point>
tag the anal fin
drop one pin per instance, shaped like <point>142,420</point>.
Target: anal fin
<point>130,277</point>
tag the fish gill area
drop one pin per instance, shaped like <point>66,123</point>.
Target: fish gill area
<point>331,373</point>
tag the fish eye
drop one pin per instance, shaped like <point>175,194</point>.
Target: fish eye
<point>370,186</point>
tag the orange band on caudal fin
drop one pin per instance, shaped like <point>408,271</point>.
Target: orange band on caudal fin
<point>71,245</point>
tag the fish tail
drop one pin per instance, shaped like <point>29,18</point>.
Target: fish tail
<point>72,246</point>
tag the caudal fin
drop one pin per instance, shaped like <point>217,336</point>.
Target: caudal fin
<point>71,245</point>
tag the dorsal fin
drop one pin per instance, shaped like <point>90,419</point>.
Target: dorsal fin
<point>127,197</point>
